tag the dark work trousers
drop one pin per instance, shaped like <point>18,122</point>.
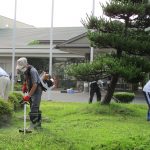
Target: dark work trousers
<point>94,88</point>
<point>147,98</point>
<point>35,113</point>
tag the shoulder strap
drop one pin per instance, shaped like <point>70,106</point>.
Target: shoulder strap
<point>28,70</point>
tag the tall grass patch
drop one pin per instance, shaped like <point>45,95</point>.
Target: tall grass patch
<point>80,126</point>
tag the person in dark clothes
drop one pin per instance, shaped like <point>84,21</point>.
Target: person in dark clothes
<point>94,88</point>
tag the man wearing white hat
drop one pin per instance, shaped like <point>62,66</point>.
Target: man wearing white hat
<point>33,88</point>
<point>4,84</point>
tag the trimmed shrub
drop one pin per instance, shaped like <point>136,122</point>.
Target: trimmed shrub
<point>19,97</point>
<point>15,103</point>
<point>5,112</point>
<point>123,97</point>
<point>12,99</point>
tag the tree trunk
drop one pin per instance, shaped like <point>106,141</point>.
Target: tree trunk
<point>111,89</point>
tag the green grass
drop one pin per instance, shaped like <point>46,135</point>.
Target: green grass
<point>80,126</point>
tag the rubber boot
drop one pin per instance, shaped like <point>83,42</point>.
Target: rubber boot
<point>39,121</point>
<point>31,127</point>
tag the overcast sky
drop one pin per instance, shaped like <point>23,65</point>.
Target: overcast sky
<point>38,12</point>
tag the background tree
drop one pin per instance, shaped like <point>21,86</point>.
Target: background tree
<point>126,32</point>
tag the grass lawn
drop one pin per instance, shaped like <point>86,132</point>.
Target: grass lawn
<point>80,126</point>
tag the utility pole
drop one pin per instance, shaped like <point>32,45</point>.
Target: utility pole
<point>51,46</point>
<point>13,47</point>
<point>92,49</point>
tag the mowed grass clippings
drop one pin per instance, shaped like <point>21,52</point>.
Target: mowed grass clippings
<point>80,126</point>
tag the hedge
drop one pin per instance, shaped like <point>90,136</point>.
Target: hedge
<point>15,98</point>
<point>6,112</point>
<point>123,97</point>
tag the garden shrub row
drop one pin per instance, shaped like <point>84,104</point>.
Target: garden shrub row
<point>8,107</point>
<point>14,99</point>
<point>6,112</point>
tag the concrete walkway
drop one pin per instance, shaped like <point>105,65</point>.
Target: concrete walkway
<point>56,95</point>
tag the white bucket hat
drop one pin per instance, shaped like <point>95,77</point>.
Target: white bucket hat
<point>21,64</point>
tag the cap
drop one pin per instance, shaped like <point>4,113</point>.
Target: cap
<point>21,63</point>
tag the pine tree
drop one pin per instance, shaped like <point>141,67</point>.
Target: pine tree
<point>126,31</point>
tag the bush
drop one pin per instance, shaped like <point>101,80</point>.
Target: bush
<point>5,112</point>
<point>14,99</point>
<point>123,97</point>
<point>19,97</point>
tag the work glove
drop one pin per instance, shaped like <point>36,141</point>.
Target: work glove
<point>24,88</point>
<point>26,98</point>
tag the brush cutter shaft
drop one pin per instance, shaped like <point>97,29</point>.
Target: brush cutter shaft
<point>25,117</point>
